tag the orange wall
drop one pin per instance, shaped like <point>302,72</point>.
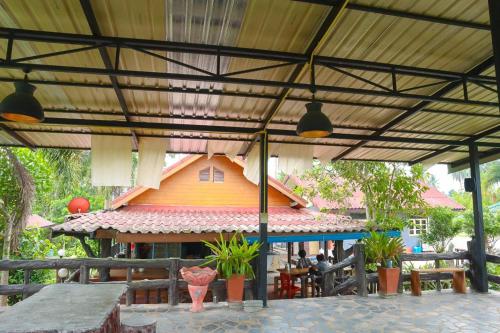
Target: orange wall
<point>184,188</point>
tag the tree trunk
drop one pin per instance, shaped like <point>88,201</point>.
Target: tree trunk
<point>4,275</point>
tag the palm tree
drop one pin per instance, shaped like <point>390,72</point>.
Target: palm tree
<point>15,206</point>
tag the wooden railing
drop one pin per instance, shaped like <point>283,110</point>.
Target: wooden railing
<point>372,278</point>
<point>494,259</point>
<point>358,280</point>
<point>173,284</point>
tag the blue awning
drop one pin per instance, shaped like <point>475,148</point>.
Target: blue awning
<point>319,237</point>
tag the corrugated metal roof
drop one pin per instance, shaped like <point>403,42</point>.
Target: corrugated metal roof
<point>285,26</point>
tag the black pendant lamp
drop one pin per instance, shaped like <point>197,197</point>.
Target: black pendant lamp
<point>314,124</point>
<point>21,106</point>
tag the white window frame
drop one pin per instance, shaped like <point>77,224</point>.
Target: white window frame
<point>418,226</point>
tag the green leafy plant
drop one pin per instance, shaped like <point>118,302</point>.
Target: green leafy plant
<point>442,228</point>
<point>379,248</point>
<point>233,257</point>
<point>391,191</point>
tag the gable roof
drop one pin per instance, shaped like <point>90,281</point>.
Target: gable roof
<point>432,196</point>
<point>188,160</point>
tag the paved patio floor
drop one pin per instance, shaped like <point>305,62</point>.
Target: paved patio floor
<point>433,312</point>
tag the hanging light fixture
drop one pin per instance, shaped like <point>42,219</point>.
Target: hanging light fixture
<point>314,124</point>
<point>21,106</point>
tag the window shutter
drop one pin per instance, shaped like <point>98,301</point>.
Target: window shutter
<point>218,176</point>
<point>204,175</point>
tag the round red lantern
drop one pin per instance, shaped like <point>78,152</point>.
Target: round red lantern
<point>79,205</point>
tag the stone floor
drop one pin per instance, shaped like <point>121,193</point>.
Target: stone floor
<point>433,312</point>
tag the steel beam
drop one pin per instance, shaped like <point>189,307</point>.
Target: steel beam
<point>404,14</point>
<point>478,256</point>
<point>249,82</point>
<point>494,10</point>
<point>226,51</point>
<point>470,140</point>
<point>245,130</point>
<point>311,49</point>
<point>94,28</point>
<point>19,138</point>
<point>217,92</point>
<point>204,137</point>
<point>484,157</point>
<point>263,217</point>
<point>426,102</point>
<point>78,112</point>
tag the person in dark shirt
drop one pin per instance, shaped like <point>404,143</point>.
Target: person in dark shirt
<point>322,265</point>
<point>303,262</point>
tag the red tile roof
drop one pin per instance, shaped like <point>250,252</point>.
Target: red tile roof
<point>433,197</point>
<point>36,221</point>
<point>182,219</point>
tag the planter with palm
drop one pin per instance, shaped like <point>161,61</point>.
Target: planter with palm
<point>384,252</point>
<point>233,259</point>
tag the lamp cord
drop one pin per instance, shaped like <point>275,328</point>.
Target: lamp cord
<point>313,78</point>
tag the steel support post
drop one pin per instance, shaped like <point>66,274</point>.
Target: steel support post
<point>478,256</point>
<point>494,8</point>
<point>263,218</point>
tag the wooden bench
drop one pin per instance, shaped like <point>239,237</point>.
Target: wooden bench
<point>458,279</point>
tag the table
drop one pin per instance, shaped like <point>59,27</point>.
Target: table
<point>301,273</point>
<point>67,308</point>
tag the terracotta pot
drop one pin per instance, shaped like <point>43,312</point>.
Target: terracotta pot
<point>388,280</point>
<point>197,276</point>
<point>197,294</point>
<point>235,286</point>
<point>198,279</point>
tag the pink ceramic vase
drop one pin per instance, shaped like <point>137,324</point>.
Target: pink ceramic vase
<point>198,279</point>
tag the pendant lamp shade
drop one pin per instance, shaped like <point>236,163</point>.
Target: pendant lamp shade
<point>22,106</point>
<point>314,124</point>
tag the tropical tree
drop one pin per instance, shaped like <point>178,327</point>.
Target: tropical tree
<point>392,191</point>
<point>490,181</point>
<point>16,195</point>
<point>491,222</point>
<point>441,229</point>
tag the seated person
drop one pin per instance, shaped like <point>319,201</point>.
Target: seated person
<point>303,262</point>
<point>322,266</point>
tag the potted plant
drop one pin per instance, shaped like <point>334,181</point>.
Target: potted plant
<point>384,252</point>
<point>233,259</point>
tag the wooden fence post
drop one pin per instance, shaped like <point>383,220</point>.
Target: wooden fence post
<point>27,280</point>
<point>400,283</point>
<point>105,247</point>
<point>129,296</point>
<point>359,254</point>
<point>437,264</point>
<point>472,263</point>
<point>173,295</point>
<point>84,274</point>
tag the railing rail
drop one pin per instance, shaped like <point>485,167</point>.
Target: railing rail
<point>436,257</point>
<point>83,266</point>
<point>494,259</point>
<point>358,281</point>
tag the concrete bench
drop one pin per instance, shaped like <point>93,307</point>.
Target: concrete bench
<point>458,279</point>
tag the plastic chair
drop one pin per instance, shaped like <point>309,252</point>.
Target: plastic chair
<point>287,286</point>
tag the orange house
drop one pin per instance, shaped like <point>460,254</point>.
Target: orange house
<point>199,198</point>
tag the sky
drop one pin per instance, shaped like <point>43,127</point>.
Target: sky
<point>446,183</point>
